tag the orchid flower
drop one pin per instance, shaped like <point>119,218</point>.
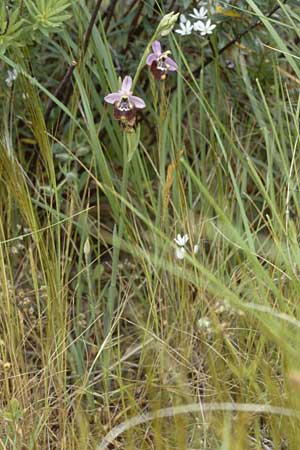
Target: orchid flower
<point>124,102</point>
<point>160,63</point>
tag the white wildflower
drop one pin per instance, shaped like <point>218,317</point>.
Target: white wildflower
<point>207,5</point>
<point>204,322</point>
<point>180,252</point>
<point>200,13</point>
<point>11,77</point>
<point>181,240</point>
<point>185,28</point>
<point>204,28</point>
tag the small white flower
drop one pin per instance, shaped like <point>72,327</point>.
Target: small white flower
<point>181,240</point>
<point>209,5</point>
<point>185,28</point>
<point>199,14</point>
<point>180,252</point>
<point>183,19</point>
<point>196,249</point>
<point>11,77</point>
<point>204,322</point>
<point>204,28</point>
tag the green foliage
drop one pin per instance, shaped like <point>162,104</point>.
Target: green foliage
<point>20,26</point>
<point>47,16</point>
<point>13,29</point>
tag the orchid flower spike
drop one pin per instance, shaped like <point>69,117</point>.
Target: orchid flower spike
<point>160,63</point>
<point>125,104</point>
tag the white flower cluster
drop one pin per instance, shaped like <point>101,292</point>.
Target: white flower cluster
<point>180,242</point>
<point>203,25</point>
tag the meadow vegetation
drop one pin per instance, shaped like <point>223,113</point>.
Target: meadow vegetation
<point>112,333</point>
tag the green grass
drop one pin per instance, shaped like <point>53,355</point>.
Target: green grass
<point>105,335</point>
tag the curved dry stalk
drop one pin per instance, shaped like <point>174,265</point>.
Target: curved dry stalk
<point>192,408</point>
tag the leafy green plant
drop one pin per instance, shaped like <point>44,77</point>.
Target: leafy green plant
<point>21,25</point>
<point>47,16</point>
<point>12,29</point>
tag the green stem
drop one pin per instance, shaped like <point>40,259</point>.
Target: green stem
<point>117,239</point>
<point>143,59</point>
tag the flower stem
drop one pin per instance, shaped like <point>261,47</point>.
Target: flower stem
<point>117,239</point>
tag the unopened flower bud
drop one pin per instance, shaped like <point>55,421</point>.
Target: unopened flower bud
<point>87,248</point>
<point>167,23</point>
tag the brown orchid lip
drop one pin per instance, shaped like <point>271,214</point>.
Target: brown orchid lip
<point>126,116</point>
<point>125,111</point>
<point>158,70</point>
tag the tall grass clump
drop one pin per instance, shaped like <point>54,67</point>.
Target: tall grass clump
<point>149,222</point>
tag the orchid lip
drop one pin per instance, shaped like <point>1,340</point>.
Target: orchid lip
<point>162,65</point>
<point>124,104</point>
